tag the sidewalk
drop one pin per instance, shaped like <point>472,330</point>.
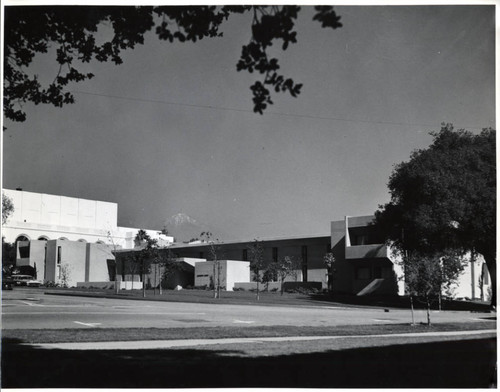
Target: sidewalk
<point>166,344</point>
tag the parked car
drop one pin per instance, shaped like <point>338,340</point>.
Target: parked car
<point>26,280</point>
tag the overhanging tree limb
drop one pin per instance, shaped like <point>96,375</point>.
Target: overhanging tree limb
<point>71,30</point>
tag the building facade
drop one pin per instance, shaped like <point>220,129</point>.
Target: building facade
<point>40,216</point>
<point>308,251</point>
<point>75,241</point>
<point>366,265</point>
<point>67,240</point>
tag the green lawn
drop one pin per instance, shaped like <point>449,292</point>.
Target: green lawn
<point>128,334</point>
<point>269,298</point>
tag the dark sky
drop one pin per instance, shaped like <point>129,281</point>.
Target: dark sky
<point>172,129</point>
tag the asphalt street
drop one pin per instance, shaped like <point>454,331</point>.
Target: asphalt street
<point>31,308</point>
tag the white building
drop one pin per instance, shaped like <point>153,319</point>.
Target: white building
<point>40,216</point>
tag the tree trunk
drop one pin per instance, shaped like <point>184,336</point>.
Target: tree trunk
<point>160,281</point>
<point>143,281</point>
<point>257,286</point>
<point>218,279</point>
<point>215,285</point>
<point>428,310</point>
<point>412,312</point>
<point>154,284</point>
<point>117,289</point>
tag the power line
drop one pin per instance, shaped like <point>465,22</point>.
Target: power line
<point>134,99</point>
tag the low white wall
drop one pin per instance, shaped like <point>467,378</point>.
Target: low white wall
<point>236,271</point>
<point>318,275</point>
<point>129,285</point>
<point>247,286</point>
<point>99,285</point>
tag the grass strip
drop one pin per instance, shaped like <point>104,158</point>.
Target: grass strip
<point>136,334</point>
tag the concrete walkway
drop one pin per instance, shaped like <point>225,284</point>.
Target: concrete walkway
<point>166,344</point>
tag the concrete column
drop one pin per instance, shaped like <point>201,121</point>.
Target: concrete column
<point>347,237</point>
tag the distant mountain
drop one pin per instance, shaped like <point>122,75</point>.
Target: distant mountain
<point>184,228</point>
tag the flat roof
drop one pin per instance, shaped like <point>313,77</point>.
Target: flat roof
<point>269,239</point>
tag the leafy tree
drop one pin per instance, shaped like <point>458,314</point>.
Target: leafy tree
<point>7,208</point>
<point>111,239</point>
<point>329,261</point>
<point>285,267</point>
<point>65,275</point>
<point>444,198</point>
<point>257,263</point>
<point>147,255</point>
<point>72,32</point>
<point>8,256</point>
<point>426,276</point>
<point>167,266</point>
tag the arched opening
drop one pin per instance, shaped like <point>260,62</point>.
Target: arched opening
<point>22,237</point>
<point>43,238</point>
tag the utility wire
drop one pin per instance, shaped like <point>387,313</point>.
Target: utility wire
<point>133,99</point>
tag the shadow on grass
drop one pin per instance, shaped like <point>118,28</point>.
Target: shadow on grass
<point>466,363</point>
<point>398,302</point>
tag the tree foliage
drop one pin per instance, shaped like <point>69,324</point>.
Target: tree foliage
<point>72,33</point>
<point>444,197</point>
<point>257,262</point>
<point>329,262</point>
<point>145,256</point>
<point>7,208</point>
<point>215,251</point>
<point>285,267</point>
<point>427,276</point>
<point>8,254</point>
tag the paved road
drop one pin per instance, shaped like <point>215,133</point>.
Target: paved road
<point>31,308</point>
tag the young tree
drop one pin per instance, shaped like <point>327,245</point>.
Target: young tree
<point>426,276</point>
<point>167,265</point>
<point>444,198</point>
<point>147,255</point>
<point>215,250</point>
<point>257,263</point>
<point>329,261</point>
<point>73,33</point>
<point>65,275</point>
<point>7,208</point>
<point>285,267</point>
<point>111,239</point>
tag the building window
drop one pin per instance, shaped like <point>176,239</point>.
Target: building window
<point>202,255</point>
<point>24,252</point>
<point>275,254</point>
<point>361,239</point>
<point>22,238</point>
<point>304,263</point>
<point>362,273</point>
<point>377,272</point>
<point>244,255</point>
<point>58,266</point>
